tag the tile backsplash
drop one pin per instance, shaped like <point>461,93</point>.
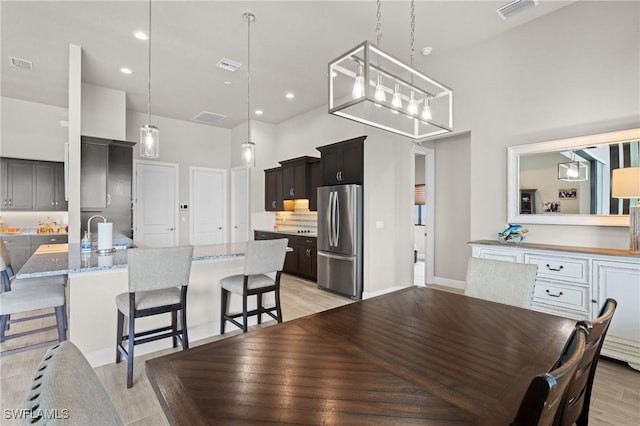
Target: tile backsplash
<point>300,218</point>
<point>31,219</point>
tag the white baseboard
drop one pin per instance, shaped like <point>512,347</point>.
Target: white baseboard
<point>448,282</point>
<point>369,295</point>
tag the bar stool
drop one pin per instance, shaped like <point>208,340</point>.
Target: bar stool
<point>158,280</point>
<point>261,257</point>
<point>18,301</point>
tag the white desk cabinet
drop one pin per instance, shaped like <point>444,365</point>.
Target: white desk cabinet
<point>574,282</point>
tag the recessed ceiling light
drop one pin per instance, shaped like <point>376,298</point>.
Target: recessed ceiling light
<point>228,83</point>
<point>259,112</point>
<point>290,95</point>
<point>125,70</point>
<point>140,35</point>
<point>427,50</point>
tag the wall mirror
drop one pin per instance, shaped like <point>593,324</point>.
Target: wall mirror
<point>568,181</point>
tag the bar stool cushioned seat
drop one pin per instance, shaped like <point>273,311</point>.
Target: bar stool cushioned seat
<point>65,384</point>
<point>149,299</point>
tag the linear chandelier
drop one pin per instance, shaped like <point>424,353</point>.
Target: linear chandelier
<point>372,87</point>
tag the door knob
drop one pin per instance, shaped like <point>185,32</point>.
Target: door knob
<point>219,227</point>
<point>171,229</point>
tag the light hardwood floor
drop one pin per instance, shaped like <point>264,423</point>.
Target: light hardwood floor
<point>616,395</point>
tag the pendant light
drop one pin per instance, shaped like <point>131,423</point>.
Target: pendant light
<point>365,69</point>
<point>149,134</point>
<point>248,148</point>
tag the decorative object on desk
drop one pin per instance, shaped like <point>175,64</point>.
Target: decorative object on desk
<point>551,207</point>
<point>568,193</point>
<point>513,233</point>
<point>361,79</point>
<point>626,185</point>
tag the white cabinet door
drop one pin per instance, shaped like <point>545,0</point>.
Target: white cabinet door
<point>620,281</point>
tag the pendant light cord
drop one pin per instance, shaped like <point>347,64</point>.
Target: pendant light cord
<point>149,75</point>
<point>413,30</point>
<point>379,25</point>
<point>250,17</point>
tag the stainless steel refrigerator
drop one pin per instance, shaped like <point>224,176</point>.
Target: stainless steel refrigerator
<point>340,239</point>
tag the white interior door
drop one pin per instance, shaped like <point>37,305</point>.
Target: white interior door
<point>239,204</point>
<point>208,200</point>
<point>156,204</point>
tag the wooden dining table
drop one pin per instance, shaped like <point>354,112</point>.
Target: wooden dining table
<point>414,356</point>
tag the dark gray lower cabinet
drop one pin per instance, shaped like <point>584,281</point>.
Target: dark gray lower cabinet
<point>302,260</point>
<point>21,247</point>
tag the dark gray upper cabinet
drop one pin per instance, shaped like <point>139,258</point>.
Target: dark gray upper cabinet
<point>32,185</point>
<point>296,181</point>
<point>94,165</point>
<point>343,162</point>
<point>49,186</point>
<point>17,184</point>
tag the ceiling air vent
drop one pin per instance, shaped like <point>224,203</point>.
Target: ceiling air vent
<point>210,118</point>
<point>22,64</point>
<point>228,64</point>
<point>514,7</point>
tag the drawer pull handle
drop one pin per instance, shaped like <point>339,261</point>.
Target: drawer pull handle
<point>559,268</point>
<point>554,295</point>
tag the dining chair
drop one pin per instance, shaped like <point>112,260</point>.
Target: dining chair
<point>499,281</point>
<point>261,257</point>
<point>65,390</point>
<point>575,406</point>
<point>546,391</point>
<point>158,280</point>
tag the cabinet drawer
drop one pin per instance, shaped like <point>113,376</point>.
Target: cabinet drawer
<point>16,241</point>
<point>259,235</point>
<point>308,241</point>
<point>557,267</point>
<point>37,240</point>
<point>571,297</point>
<point>503,255</point>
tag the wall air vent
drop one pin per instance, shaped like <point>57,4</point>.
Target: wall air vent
<point>514,7</point>
<point>22,64</point>
<point>210,118</point>
<point>228,64</point>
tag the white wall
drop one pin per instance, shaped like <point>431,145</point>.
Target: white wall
<point>186,144</point>
<point>32,130</point>
<point>104,112</point>
<point>570,73</point>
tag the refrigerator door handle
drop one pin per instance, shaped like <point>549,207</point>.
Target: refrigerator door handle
<point>329,216</point>
<point>333,256</point>
<point>337,221</point>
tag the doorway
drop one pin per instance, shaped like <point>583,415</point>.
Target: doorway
<point>155,203</point>
<point>424,215</point>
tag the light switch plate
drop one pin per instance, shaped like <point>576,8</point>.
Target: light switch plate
<point>379,224</point>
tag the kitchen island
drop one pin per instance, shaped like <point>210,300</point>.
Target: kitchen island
<point>95,281</point>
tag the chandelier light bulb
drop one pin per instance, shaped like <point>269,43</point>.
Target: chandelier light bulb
<point>358,85</point>
<point>380,95</point>
<point>426,110</point>
<point>396,101</point>
<point>412,108</point>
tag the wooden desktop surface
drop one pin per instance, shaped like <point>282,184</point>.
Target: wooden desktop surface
<point>415,356</point>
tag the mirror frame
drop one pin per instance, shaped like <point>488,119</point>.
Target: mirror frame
<point>513,179</point>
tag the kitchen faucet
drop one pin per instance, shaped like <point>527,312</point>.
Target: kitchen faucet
<point>89,224</point>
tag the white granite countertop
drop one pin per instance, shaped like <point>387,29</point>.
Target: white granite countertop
<point>67,259</point>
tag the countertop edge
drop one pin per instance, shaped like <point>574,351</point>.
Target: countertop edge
<point>569,249</point>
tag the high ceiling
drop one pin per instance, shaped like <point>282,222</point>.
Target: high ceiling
<point>292,42</point>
